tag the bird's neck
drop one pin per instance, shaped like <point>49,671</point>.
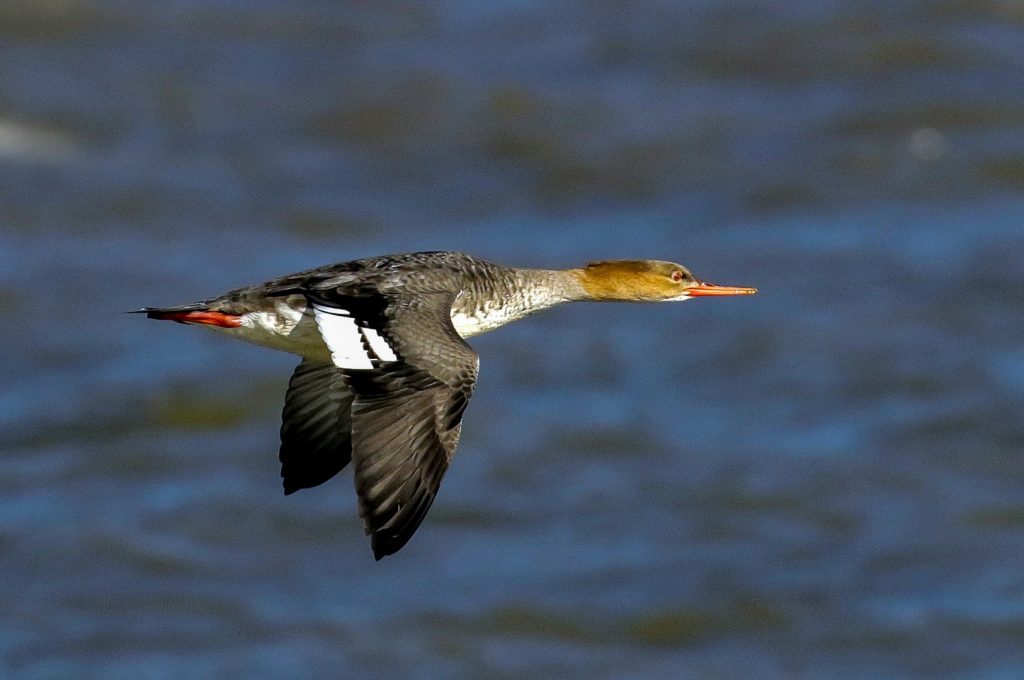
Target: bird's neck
<point>505,294</point>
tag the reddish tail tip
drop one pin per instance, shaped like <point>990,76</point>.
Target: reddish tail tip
<point>204,317</point>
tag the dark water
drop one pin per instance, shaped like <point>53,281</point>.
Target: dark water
<point>824,481</point>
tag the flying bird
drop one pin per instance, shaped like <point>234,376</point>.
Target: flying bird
<point>386,372</point>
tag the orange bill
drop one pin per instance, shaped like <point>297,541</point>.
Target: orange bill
<point>707,289</point>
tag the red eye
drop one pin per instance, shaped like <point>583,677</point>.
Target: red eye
<point>677,276</point>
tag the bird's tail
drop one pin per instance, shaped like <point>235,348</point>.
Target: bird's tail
<point>194,313</point>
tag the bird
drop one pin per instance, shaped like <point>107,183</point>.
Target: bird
<point>386,373</point>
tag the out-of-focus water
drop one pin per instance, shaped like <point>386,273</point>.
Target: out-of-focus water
<point>824,481</point>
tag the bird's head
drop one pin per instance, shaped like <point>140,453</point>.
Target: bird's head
<point>647,281</point>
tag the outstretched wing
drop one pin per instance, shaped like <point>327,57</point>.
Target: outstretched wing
<point>412,376</point>
<point>316,426</point>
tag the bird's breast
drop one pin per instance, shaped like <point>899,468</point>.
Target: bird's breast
<point>472,317</point>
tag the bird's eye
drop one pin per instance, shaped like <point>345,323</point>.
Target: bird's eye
<point>677,276</point>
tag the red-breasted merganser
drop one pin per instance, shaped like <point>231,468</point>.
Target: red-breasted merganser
<point>386,372</point>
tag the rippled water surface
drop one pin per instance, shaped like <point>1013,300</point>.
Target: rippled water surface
<point>824,481</point>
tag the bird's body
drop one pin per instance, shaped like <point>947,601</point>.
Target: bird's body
<point>386,372</point>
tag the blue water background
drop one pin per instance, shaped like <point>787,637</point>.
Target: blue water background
<point>824,481</point>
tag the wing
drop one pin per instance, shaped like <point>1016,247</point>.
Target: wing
<point>316,437</point>
<point>412,376</point>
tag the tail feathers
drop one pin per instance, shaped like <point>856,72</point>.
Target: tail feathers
<point>192,314</point>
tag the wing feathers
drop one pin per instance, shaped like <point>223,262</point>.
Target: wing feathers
<point>316,426</point>
<point>342,336</point>
<point>399,461</point>
<point>411,376</point>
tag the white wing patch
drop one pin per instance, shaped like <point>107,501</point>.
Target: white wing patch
<point>379,345</point>
<point>342,336</point>
<point>348,342</point>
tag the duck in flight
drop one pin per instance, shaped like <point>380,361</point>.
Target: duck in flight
<point>386,373</point>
